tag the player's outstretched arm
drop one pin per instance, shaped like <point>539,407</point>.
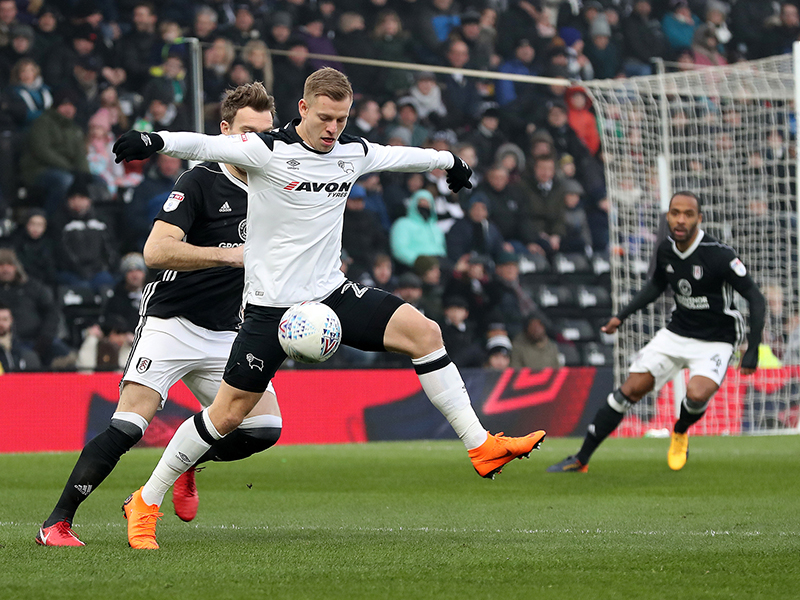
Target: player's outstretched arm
<point>758,309</point>
<point>245,150</point>
<point>165,249</point>
<point>645,296</point>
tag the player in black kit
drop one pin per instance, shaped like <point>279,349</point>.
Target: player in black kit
<point>188,322</point>
<point>702,334</point>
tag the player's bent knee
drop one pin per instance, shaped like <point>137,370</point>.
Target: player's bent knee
<point>695,407</point>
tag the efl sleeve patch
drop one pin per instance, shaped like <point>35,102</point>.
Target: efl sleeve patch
<point>738,267</point>
<point>173,201</point>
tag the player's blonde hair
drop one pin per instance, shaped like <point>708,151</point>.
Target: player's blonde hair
<point>253,95</point>
<point>327,82</point>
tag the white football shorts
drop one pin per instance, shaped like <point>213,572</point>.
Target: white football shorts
<point>168,350</point>
<point>667,353</point>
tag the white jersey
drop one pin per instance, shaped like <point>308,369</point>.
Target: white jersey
<point>296,201</point>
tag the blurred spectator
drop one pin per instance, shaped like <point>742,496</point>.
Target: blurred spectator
<point>148,198</point>
<point>110,101</point>
<point>475,232</point>
<point>409,289</point>
<point>35,248</point>
<point>99,142</point>
<point>510,301</point>
<point>520,21</point>
<point>459,335</point>
<point>86,87</point>
<point>279,33</point>
<point>35,312</point>
<point>542,224</point>
<point>428,97</point>
<point>86,254</point>
<point>137,48</point>
<point>577,235</point>
<point>581,119</point>
<point>417,234</point>
<point>472,281</point>
<point>124,304</point>
<point>435,22</point>
<point>644,39</point>
<point>460,94</point>
<point>106,347</point>
<point>479,39</point>
<point>161,112</point>
<point>365,122</point>
<point>217,60</point>
<point>173,71</point>
<point>362,234</point>
<point>353,40</point>
<point>312,29</point>
<point>205,24</point>
<point>29,96</point>
<point>512,158</point>
<point>59,65</point>
<point>578,65</point>
<point>748,19</point>
<point>716,15</point>
<point>256,55</point>
<point>505,200</point>
<point>390,43</point>
<point>380,274</point>
<point>516,95</point>
<point>373,200</point>
<point>8,18</point>
<point>290,77</point>
<point>602,50</point>
<point>48,34</point>
<point>54,151</point>
<point>705,48</point>
<point>429,271</point>
<point>498,353</point>
<point>679,25</point>
<point>487,137</point>
<point>14,356</point>
<point>408,118</point>
<point>244,27</point>
<point>778,39</point>
<point>533,349</point>
<point>565,140</point>
<point>20,47</point>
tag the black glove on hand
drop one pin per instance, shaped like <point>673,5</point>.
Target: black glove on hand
<point>750,358</point>
<point>458,175</point>
<point>136,145</point>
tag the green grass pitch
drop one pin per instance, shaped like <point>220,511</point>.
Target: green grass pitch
<point>412,520</point>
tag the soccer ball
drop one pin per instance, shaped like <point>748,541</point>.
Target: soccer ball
<point>310,332</point>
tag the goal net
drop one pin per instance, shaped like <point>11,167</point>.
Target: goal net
<point>728,134</point>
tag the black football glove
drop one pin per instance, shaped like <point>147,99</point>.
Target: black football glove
<point>458,175</point>
<point>750,358</point>
<point>136,145</point>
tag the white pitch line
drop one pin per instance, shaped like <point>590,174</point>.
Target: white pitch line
<point>706,533</point>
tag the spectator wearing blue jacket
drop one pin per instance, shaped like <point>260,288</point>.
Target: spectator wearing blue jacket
<point>417,234</point>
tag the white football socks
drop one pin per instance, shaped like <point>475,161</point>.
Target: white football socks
<point>446,390</point>
<point>184,450</point>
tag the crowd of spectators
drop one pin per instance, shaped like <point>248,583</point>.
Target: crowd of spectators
<point>74,74</point>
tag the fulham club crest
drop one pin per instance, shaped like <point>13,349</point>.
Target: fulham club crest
<point>697,272</point>
<point>143,364</point>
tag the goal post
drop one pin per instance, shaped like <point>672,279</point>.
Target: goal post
<point>728,134</point>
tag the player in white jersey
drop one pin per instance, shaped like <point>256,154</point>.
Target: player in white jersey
<point>299,179</point>
<point>188,322</point>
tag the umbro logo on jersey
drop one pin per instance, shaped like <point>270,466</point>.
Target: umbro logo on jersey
<point>84,489</point>
<point>670,269</point>
<point>225,208</point>
<point>293,164</point>
<point>333,189</point>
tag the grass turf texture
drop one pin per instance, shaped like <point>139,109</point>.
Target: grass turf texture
<point>413,520</point>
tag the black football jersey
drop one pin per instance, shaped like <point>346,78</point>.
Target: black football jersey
<point>703,280</point>
<point>210,206</point>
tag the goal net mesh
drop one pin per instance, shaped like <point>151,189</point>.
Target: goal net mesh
<point>726,133</point>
